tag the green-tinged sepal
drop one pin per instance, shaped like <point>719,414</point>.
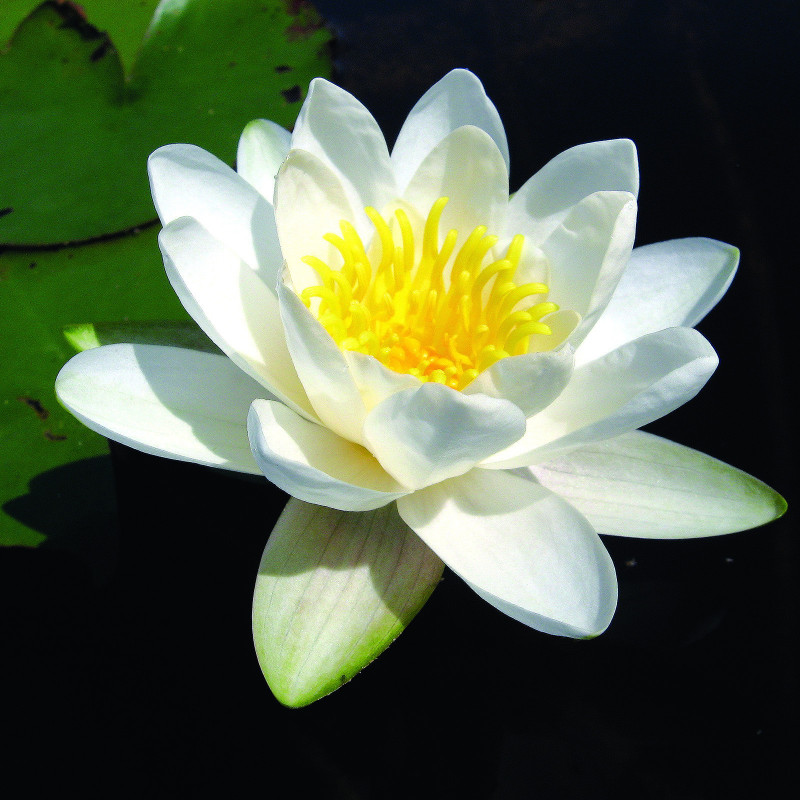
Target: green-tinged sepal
<point>641,485</point>
<point>334,590</point>
<point>86,335</point>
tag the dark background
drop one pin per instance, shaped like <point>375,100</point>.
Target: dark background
<point>141,679</point>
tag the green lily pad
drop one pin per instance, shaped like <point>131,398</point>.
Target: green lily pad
<point>42,292</point>
<point>125,21</point>
<point>77,129</point>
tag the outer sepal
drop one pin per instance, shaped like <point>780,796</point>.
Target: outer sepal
<point>641,485</point>
<point>334,590</point>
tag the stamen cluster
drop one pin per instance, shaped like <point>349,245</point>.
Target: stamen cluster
<point>403,309</point>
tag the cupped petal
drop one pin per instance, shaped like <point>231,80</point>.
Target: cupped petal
<point>262,147</point>
<point>314,464</point>
<point>644,486</point>
<point>334,590</point>
<point>322,369</point>
<point>467,167</point>
<point>425,435</point>
<point>310,201</point>
<point>665,285</point>
<point>181,404</point>
<point>530,381</point>
<point>186,181</point>
<point>544,200</point>
<point>234,307</point>
<point>520,547</point>
<point>456,100</point>
<point>338,129</point>
<point>588,252</point>
<point>627,388</point>
<point>375,381</point>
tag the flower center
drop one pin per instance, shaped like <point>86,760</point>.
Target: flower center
<point>407,309</point>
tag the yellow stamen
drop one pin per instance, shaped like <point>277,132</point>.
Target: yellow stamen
<point>430,311</point>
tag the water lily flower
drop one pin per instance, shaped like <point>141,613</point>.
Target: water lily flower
<point>435,371</point>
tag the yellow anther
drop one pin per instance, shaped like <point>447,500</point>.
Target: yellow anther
<point>467,249</point>
<point>321,268</point>
<point>490,355</point>
<point>540,309</point>
<point>432,312</point>
<point>369,341</point>
<point>329,300</point>
<point>385,235</point>
<point>340,245</point>
<point>334,325</point>
<point>437,268</point>
<point>467,377</point>
<point>360,318</point>
<point>430,235</point>
<point>487,273</point>
<point>510,322</point>
<point>518,293</point>
<point>407,236</point>
<point>523,332</point>
<point>514,252</point>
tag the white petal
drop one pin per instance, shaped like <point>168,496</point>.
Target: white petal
<point>520,547</point>
<point>375,381</point>
<point>234,307</point>
<point>629,387</point>
<point>641,485</point>
<point>467,167</point>
<point>314,464</point>
<point>182,404</point>
<point>531,381</point>
<point>543,202</point>
<point>262,147</point>
<point>334,589</point>
<point>338,129</point>
<point>665,285</point>
<point>424,435</point>
<point>588,253</point>
<point>322,369</point>
<point>310,201</point>
<point>186,181</point>
<point>456,100</point>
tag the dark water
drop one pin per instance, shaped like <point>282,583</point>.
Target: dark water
<point>147,684</point>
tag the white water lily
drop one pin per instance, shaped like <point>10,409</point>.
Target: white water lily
<point>434,371</point>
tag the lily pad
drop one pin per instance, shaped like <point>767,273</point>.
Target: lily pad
<point>77,129</point>
<point>42,293</point>
<point>125,22</point>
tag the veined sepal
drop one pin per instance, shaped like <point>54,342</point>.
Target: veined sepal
<point>334,590</point>
<point>643,486</point>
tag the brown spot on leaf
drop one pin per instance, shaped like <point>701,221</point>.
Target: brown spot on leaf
<point>54,437</point>
<point>307,20</point>
<point>5,211</point>
<point>32,265</point>
<point>100,51</point>
<point>36,405</point>
<point>292,95</point>
<point>75,6</point>
<point>74,17</point>
<point>294,7</point>
<point>283,68</point>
